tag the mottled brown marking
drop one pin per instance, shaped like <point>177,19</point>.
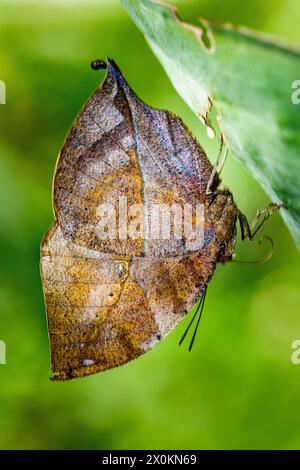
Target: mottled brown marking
<point>109,301</point>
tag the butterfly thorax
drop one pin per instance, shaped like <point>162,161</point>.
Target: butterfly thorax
<point>222,215</point>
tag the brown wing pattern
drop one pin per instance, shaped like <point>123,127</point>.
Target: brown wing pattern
<point>110,300</point>
<point>97,165</point>
<point>118,147</point>
<point>104,310</point>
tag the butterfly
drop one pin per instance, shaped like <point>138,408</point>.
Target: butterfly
<point>110,298</point>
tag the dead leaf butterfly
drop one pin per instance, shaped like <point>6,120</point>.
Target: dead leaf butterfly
<point>140,223</point>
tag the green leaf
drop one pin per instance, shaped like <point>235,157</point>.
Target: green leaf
<point>248,78</point>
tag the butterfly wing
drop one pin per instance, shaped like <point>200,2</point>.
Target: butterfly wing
<point>109,300</point>
<point>120,149</point>
<point>104,310</point>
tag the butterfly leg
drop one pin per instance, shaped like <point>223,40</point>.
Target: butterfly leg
<point>222,155</point>
<point>250,231</point>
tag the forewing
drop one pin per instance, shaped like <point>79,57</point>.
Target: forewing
<point>120,148</point>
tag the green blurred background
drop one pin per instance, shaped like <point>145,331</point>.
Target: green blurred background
<point>238,388</point>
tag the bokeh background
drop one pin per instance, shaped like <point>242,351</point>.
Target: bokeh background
<point>238,387</point>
